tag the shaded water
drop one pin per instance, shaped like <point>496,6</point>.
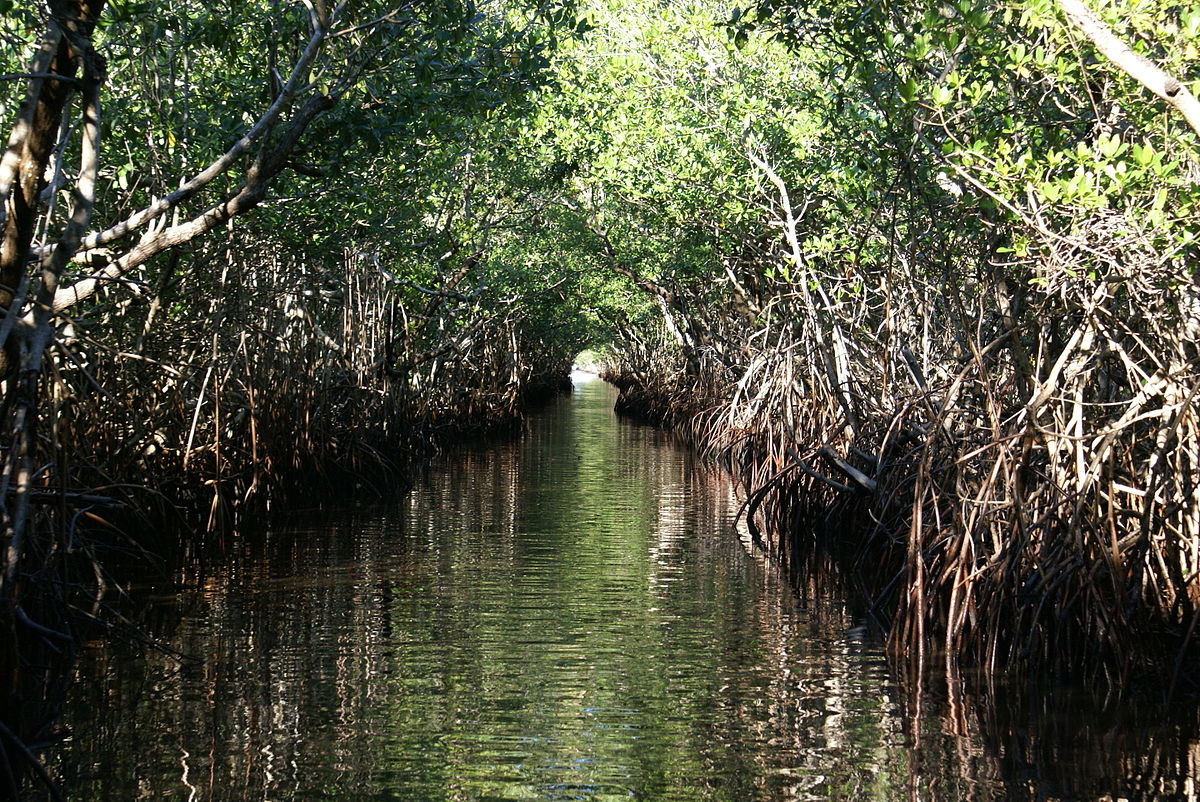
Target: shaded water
<point>567,616</point>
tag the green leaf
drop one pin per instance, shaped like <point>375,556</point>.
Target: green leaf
<point>1190,20</point>
<point>1110,146</point>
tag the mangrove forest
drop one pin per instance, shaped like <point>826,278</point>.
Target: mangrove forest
<point>897,303</point>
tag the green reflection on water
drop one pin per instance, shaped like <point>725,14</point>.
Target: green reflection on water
<point>567,616</point>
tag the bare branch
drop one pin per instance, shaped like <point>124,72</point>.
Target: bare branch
<point>202,179</point>
<point>42,76</point>
<point>1135,66</point>
<point>84,202</point>
<point>246,198</point>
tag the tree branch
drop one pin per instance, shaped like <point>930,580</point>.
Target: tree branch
<point>246,198</point>
<point>1135,66</point>
<point>202,179</point>
<point>54,263</point>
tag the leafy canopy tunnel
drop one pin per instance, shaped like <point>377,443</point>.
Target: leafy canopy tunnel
<point>933,260</point>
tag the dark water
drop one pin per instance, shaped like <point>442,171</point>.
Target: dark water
<point>568,616</point>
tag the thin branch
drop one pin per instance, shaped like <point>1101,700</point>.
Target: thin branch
<point>389,18</point>
<point>41,76</point>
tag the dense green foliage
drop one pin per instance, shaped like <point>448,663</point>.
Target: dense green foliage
<point>966,300</point>
<point>932,261</point>
<point>370,257</point>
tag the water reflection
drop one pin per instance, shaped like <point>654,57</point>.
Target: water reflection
<point>562,617</point>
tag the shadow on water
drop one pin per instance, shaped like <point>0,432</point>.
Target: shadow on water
<point>564,616</point>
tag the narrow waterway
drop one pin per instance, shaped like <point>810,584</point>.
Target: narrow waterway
<point>570,615</point>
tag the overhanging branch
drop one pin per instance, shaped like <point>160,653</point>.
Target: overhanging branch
<point>1135,66</point>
